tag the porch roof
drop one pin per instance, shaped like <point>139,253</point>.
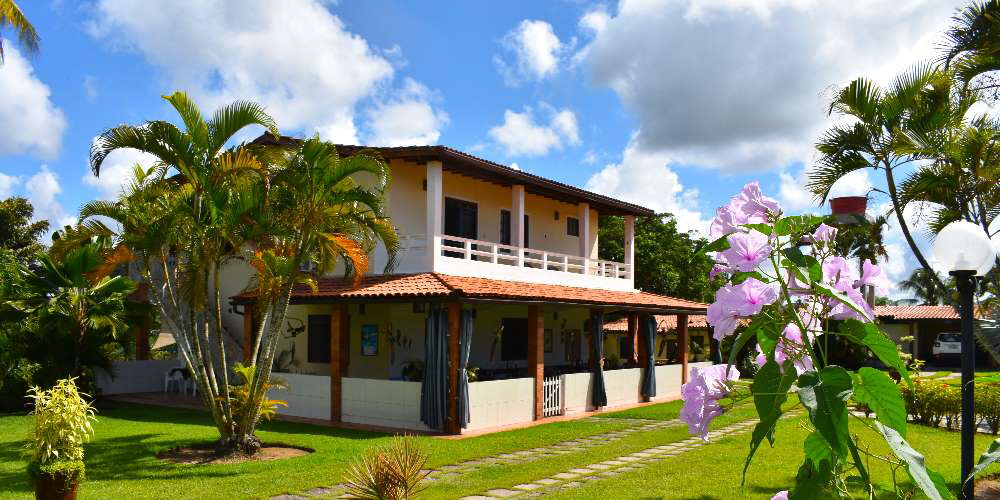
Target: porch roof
<point>437,286</point>
<point>918,312</point>
<point>664,323</point>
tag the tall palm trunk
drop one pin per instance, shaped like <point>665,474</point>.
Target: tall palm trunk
<point>904,227</point>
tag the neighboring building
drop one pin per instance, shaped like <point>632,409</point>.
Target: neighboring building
<point>700,346</point>
<point>923,323</point>
<point>498,272</point>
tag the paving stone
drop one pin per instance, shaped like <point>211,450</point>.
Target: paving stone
<point>572,484</point>
<point>319,491</point>
<point>613,462</point>
<point>643,454</point>
<point>288,497</point>
<point>447,475</point>
<point>626,469</point>
<point>449,468</point>
<point>565,475</point>
<point>507,455</point>
<point>524,452</point>
<point>628,459</point>
<point>547,481</point>
<point>528,486</point>
<point>590,478</point>
<point>501,493</point>
<point>471,463</point>
<point>609,473</point>
<point>477,497</point>
<point>599,466</point>
<point>581,471</point>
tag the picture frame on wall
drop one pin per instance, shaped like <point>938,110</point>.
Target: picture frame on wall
<point>548,340</point>
<point>369,340</point>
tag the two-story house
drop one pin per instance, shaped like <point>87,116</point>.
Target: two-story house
<point>493,316</point>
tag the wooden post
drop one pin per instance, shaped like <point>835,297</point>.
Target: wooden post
<point>247,333</point>
<point>682,345</point>
<point>338,328</point>
<point>633,335</point>
<point>345,340</point>
<point>536,354</point>
<point>713,347</point>
<point>452,425</point>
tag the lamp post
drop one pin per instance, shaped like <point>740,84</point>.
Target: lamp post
<point>965,250</point>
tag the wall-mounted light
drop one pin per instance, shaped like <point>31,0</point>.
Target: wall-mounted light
<point>424,184</point>
<point>557,215</point>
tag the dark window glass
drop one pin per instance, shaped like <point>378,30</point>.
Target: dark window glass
<point>527,232</point>
<point>949,337</point>
<point>505,227</point>
<point>319,338</point>
<point>572,226</point>
<point>514,340</point>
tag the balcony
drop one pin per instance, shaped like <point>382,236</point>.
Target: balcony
<point>487,259</point>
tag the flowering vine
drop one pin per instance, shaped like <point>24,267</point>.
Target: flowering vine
<point>788,290</point>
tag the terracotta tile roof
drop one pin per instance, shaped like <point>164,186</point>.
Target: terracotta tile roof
<point>916,312</point>
<point>664,323</point>
<point>443,285</point>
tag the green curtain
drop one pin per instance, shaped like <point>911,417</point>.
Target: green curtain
<point>599,397</point>
<point>434,388</point>
<point>648,329</point>
<point>464,348</point>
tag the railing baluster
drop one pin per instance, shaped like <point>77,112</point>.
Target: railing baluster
<point>467,246</point>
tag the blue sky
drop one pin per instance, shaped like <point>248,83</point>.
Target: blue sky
<point>672,104</point>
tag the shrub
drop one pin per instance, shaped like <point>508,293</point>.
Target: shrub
<point>988,405</point>
<point>62,424</point>
<point>239,395</point>
<point>390,472</point>
<point>929,402</point>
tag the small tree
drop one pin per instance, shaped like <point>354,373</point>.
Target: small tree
<point>62,424</point>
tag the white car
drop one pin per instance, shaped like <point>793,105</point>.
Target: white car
<point>947,345</point>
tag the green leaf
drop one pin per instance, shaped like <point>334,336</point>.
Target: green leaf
<point>794,255</point>
<point>930,482</point>
<point>875,389</point>
<point>817,450</point>
<point>770,390</point>
<point>718,245</point>
<point>740,277</point>
<point>764,229</point>
<point>825,395</point>
<point>833,293</point>
<point>870,336</point>
<point>742,339</point>
<point>992,454</point>
<point>796,224</point>
<point>812,481</point>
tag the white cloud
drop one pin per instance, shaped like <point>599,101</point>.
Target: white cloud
<point>7,184</point>
<point>90,87</point>
<point>32,123</point>
<point>793,195</point>
<point>298,60</point>
<point>738,84</point>
<point>42,190</point>
<point>515,166</point>
<point>646,179</point>
<point>408,118</point>
<point>521,135</point>
<point>536,51</point>
<point>590,157</point>
<point>116,171</point>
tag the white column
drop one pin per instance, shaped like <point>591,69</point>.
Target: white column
<point>517,221</point>
<point>435,211</point>
<point>585,247</point>
<point>630,245</point>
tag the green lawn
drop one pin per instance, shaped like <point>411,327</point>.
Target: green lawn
<point>121,462</point>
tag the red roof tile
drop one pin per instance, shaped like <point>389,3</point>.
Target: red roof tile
<point>443,285</point>
<point>916,312</point>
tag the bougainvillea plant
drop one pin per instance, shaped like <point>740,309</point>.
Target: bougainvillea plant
<point>791,293</point>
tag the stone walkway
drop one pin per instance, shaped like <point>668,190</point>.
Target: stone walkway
<point>514,457</point>
<point>577,476</point>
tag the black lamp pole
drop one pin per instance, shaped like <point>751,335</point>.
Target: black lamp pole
<point>966,285</point>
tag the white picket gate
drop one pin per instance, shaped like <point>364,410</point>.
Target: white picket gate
<point>552,396</point>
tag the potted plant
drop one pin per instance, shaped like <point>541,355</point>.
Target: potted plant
<point>62,423</point>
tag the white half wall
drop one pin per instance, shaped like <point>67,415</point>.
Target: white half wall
<point>576,393</point>
<point>668,382</point>
<point>501,402</point>
<point>136,376</point>
<point>307,395</point>
<point>386,403</point>
<point>622,386</point>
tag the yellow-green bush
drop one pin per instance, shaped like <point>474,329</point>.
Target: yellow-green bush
<point>929,402</point>
<point>62,423</point>
<point>988,405</point>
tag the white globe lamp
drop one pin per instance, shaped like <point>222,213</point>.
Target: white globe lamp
<point>964,246</point>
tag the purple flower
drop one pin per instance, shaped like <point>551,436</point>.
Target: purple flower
<point>781,495</point>
<point>727,220</point>
<point>752,295</point>
<point>747,250</point>
<point>841,310</point>
<point>733,302</point>
<point>871,274</point>
<point>790,346</point>
<point>837,270</point>
<point>702,394</point>
<point>824,234</point>
<point>755,204</point>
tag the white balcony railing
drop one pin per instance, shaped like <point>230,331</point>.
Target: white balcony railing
<point>509,255</point>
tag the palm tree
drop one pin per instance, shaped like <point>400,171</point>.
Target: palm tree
<point>925,288</point>
<point>75,295</point>
<point>972,46</point>
<point>11,15</point>
<point>863,240</point>
<point>876,138</point>
<point>203,204</point>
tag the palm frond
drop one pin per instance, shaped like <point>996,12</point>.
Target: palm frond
<point>11,15</point>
